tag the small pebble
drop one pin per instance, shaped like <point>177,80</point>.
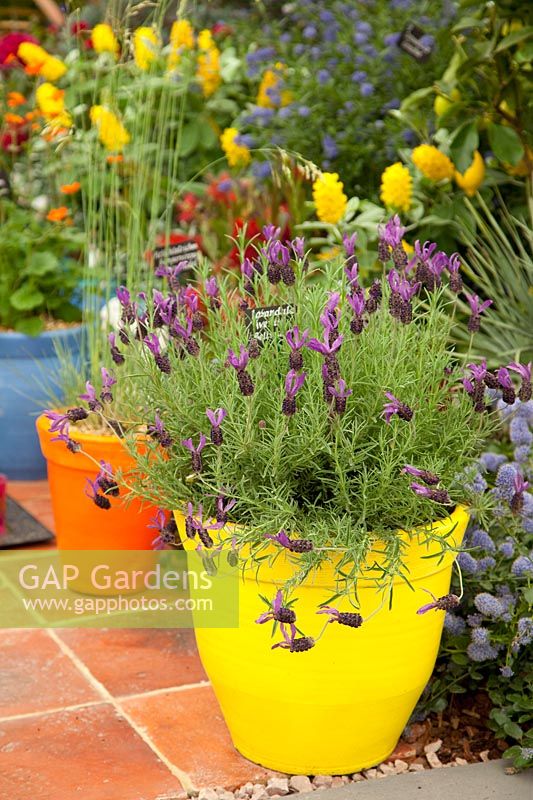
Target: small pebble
<point>484,755</point>
<point>277,786</point>
<point>433,747</point>
<point>323,781</point>
<point>386,769</point>
<point>401,766</point>
<point>433,760</point>
<point>370,773</point>
<point>416,768</point>
<point>207,794</point>
<point>356,777</point>
<point>300,783</point>
<point>462,762</point>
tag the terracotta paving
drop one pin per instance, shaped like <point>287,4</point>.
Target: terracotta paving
<point>108,714</point>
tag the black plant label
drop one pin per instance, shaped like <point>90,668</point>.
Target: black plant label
<point>270,322</point>
<point>170,255</point>
<point>410,42</point>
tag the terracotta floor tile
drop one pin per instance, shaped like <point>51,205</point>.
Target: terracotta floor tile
<point>189,729</point>
<point>137,660</point>
<point>36,676</point>
<point>89,753</point>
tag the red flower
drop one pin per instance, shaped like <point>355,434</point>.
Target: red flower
<point>188,207</point>
<point>12,139</point>
<point>78,27</point>
<point>220,189</point>
<point>9,46</point>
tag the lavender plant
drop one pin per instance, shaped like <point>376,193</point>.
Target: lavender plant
<point>487,641</point>
<point>318,417</point>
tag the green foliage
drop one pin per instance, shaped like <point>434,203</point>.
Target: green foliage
<point>39,270</point>
<point>334,478</point>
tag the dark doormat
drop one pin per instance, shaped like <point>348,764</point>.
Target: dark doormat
<point>22,528</point>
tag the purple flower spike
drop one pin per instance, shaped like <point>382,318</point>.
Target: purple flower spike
<point>349,244</point>
<point>349,618</point>
<point>280,253</point>
<point>211,287</point>
<point>247,268</point>
<point>278,612</point>
<point>454,266</point>
<point>239,362</point>
<point>224,506</point>
<point>392,232</point>
<point>108,380</point>
<point>73,446</point>
<point>506,385</point>
<point>216,418</point>
<point>294,545</point>
<point>123,296</point>
<point>196,457</point>
<point>295,339</point>
<point>153,344</point>
<point>340,394</point>
<point>395,406</point>
<point>298,246</point>
<point>325,348</point>
<point>520,486</point>
<point>524,370</point>
<point>158,432</point>
<point>428,477</point>
<point>445,603</point>
<point>271,232</point>
<point>294,382</point>
<point>357,303</point>
<point>477,308</point>
<point>93,492</point>
<point>90,397</point>
<point>60,422</point>
<point>166,528</point>
<point>437,495</point>
<point>352,274</point>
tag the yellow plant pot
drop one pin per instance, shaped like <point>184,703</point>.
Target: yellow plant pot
<point>342,706</point>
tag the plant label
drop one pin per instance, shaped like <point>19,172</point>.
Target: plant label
<point>411,42</point>
<point>270,322</point>
<point>170,255</point>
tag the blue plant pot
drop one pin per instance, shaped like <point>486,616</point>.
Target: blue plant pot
<point>28,366</point>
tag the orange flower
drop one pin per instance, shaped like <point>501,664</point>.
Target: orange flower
<point>115,159</point>
<point>57,214</point>
<point>70,188</point>
<point>13,119</point>
<point>15,99</point>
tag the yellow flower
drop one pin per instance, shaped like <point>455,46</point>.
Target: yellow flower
<point>408,247</point>
<point>471,180</point>
<point>328,255</point>
<point>181,38</point>
<point>111,131</point>
<point>208,69</point>
<point>238,155</point>
<point>50,100</point>
<point>39,62</point>
<point>432,163</point>
<point>104,40</point>
<point>397,187</point>
<point>330,200</point>
<point>145,47</point>
<point>270,81</point>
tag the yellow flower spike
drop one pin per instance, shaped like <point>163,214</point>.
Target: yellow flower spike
<point>432,163</point>
<point>208,70</point>
<point>145,47</point>
<point>53,69</point>
<point>397,187</point>
<point>50,100</point>
<point>238,155</point>
<point>330,200</point>
<point>111,131</point>
<point>205,40</point>
<point>270,81</point>
<point>470,180</point>
<point>104,40</point>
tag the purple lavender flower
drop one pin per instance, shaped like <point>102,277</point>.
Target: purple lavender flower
<point>129,309</point>
<point>348,242</point>
<point>166,528</point>
<point>296,342</point>
<point>406,292</point>
<point>196,457</point>
<point>60,422</point>
<point>93,492</point>
<point>108,380</point>
<point>158,432</point>
<point>184,332</point>
<point>239,363</point>
<point>445,603</point>
<point>374,297</point>
<point>172,274</point>
<point>454,265</point>
<point>326,348</point>
<point>90,397</point>
<point>278,612</point>
<point>524,370</point>
<point>395,406</point>
<point>293,383</point>
<point>437,495</point>
<point>298,247</point>
<point>392,232</point>
<point>293,643</point>
<point>294,545</point>
<point>223,507</point>
<point>216,418</point>
<point>271,232</point>
<point>340,394</point>
<point>212,292</point>
<point>520,486</point>
<point>153,344</point>
<point>71,444</point>
<point>506,385</point>
<point>428,477</point>
<point>476,308</point>
<point>356,301</point>
<point>116,355</point>
<point>195,526</point>
<point>349,618</point>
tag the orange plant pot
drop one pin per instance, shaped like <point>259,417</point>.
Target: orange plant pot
<point>79,523</point>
